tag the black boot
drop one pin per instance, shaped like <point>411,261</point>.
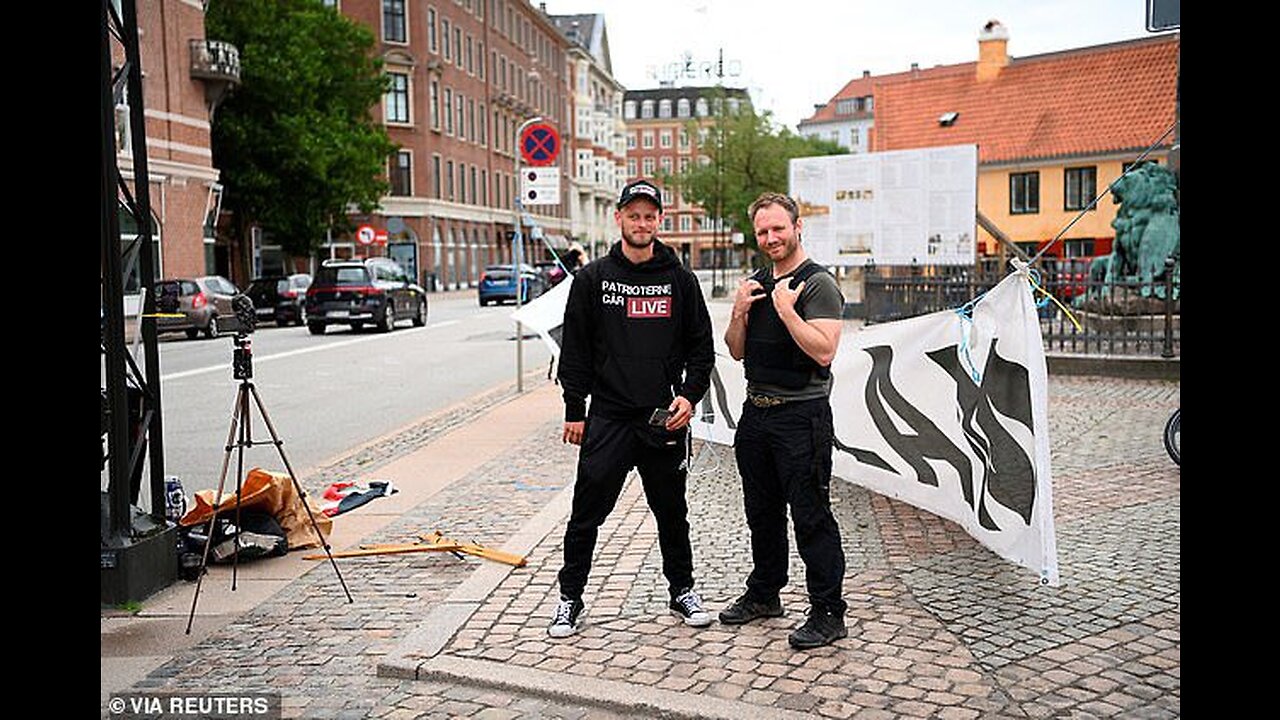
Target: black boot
<point>823,627</point>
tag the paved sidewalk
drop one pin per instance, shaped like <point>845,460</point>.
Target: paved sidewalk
<point>939,626</point>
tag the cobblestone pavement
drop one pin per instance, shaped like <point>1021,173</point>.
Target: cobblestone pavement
<point>939,626</point>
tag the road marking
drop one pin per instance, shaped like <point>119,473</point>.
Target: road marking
<point>303,351</point>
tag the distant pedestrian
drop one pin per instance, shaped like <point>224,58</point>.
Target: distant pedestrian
<point>637,340</point>
<point>785,326</point>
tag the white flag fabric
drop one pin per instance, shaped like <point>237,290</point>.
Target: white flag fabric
<point>545,314</point>
<point>943,412</point>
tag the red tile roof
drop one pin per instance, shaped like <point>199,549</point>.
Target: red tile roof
<point>1106,98</point>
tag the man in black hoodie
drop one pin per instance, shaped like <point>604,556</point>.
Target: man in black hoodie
<point>637,340</point>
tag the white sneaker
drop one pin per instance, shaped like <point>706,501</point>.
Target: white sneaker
<point>565,621</point>
<point>688,605</point>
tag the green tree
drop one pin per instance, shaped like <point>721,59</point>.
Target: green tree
<point>746,153</point>
<point>296,142</point>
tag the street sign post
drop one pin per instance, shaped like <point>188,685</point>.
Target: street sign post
<point>539,144</point>
<point>540,185</point>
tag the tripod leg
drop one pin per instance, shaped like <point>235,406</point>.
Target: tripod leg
<point>302,494</point>
<point>246,440</point>
<point>222,479</point>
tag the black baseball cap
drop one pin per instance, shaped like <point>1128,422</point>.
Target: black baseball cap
<point>640,189</point>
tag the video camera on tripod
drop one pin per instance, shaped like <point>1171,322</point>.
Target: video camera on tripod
<point>246,322</point>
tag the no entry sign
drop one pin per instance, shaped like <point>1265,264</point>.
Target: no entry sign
<point>539,144</point>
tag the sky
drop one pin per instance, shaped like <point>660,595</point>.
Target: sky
<point>791,56</point>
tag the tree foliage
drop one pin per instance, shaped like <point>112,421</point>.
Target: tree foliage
<point>746,154</point>
<point>296,142</point>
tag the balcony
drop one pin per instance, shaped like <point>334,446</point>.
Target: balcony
<point>215,60</point>
<point>217,63</point>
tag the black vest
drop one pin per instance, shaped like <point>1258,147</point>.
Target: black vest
<point>772,356</point>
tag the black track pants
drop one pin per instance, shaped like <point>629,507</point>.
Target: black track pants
<point>610,448</point>
<point>784,458</point>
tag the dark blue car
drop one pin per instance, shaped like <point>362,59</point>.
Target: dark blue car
<point>498,284</point>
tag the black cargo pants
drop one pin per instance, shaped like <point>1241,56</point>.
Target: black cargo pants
<point>784,458</point>
<point>610,448</point>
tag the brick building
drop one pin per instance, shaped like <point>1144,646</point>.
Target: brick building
<point>659,142</point>
<point>465,75</point>
<point>184,75</point>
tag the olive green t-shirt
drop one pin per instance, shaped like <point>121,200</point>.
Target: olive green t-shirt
<point>822,300</point>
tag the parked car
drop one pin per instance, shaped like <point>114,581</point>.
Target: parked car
<point>498,284</point>
<point>204,303</point>
<point>279,298</point>
<point>355,292</point>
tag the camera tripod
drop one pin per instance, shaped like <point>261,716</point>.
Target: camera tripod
<point>242,367</point>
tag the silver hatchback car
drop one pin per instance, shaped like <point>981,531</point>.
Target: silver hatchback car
<point>204,304</point>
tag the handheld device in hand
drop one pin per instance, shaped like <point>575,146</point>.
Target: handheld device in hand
<point>659,417</point>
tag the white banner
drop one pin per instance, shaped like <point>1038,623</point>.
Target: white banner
<point>944,412</point>
<point>545,314</point>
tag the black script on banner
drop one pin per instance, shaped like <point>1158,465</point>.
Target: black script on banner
<point>1008,473</point>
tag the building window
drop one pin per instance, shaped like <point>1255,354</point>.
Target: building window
<point>666,223</point>
<point>471,68</point>
<point>646,139</point>
<point>686,223</point>
<point>484,187</point>
<point>462,182</point>
<point>665,163</point>
<point>481,58</point>
<point>855,137</point>
<point>664,108</point>
<point>1080,185</point>
<point>631,141</point>
<point>435,104</point>
<point>631,167</point>
<point>462,128</point>
<point>432,43</point>
<point>648,167</point>
<point>629,110</point>
<point>664,138</point>
<point>471,120</point>
<point>397,99</point>
<point>393,21</point>
<point>445,27</point>
<point>1024,193</point>
<point>483,125</point>
<point>435,176</point>
<point>646,109</point>
<point>448,111</point>
<point>448,179</point>
<point>684,139</point>
<point>700,107</point>
<point>457,44</point>
<point>682,107</point>
<point>402,173</point>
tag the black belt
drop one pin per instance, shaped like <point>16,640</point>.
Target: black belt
<point>765,401</point>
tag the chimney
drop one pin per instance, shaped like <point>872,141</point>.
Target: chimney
<point>866,73</point>
<point>993,53</point>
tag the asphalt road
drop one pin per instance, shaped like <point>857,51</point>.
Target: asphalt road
<point>330,393</point>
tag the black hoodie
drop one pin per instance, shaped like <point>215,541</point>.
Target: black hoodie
<point>635,336</point>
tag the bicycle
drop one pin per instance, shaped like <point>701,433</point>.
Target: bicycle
<point>1173,437</point>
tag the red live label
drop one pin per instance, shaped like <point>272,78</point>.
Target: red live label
<point>644,307</point>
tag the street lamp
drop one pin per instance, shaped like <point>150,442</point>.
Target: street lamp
<point>518,251</point>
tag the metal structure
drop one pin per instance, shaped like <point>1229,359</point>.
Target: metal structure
<point>1130,318</point>
<point>135,559</point>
